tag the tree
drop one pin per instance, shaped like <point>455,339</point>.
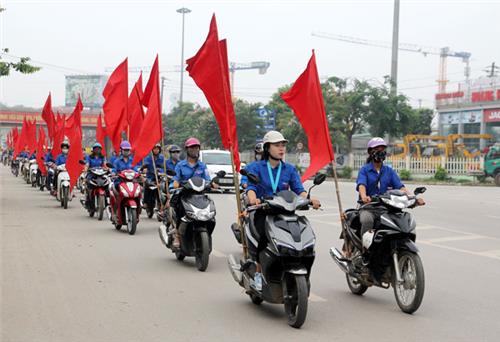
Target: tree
<point>421,120</point>
<point>21,66</point>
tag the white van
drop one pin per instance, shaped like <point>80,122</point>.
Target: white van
<point>219,160</point>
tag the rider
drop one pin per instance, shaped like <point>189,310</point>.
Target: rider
<point>60,160</point>
<point>275,175</point>
<point>185,170</point>
<point>258,151</point>
<point>375,178</point>
<point>94,160</point>
<point>154,162</point>
<point>175,153</point>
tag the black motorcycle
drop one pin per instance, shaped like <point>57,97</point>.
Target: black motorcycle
<point>151,196</point>
<point>15,165</point>
<point>193,214</point>
<point>287,259</point>
<point>390,256</point>
<point>96,191</point>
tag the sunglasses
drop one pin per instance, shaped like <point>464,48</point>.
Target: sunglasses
<point>175,152</point>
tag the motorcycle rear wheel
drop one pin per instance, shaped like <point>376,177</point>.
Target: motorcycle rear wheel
<point>179,255</point>
<point>101,204</point>
<point>410,293</point>
<point>295,294</point>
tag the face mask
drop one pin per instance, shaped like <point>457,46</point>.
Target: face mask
<point>379,156</point>
<point>65,150</point>
<point>126,153</point>
<point>193,154</point>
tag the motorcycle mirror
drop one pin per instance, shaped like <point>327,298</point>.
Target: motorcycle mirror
<point>215,180</point>
<point>420,190</point>
<point>243,172</point>
<point>319,178</point>
<point>108,164</point>
<point>221,174</point>
<point>171,173</point>
<point>81,162</point>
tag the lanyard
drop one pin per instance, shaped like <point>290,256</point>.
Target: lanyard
<point>274,182</point>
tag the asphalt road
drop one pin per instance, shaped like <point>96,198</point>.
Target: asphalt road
<point>67,277</point>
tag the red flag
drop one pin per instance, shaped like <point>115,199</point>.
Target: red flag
<point>115,104</point>
<point>135,112</point>
<point>306,100</point>
<point>75,119</point>
<point>48,117</point>
<point>75,154</point>
<point>15,136</point>
<point>209,69</point>
<point>31,136</point>
<point>151,130</point>
<point>58,135</point>
<point>100,133</point>
<point>40,151</point>
<point>22,139</point>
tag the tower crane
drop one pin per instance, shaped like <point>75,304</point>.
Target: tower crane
<point>443,53</point>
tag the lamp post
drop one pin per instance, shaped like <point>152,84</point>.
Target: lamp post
<point>183,11</point>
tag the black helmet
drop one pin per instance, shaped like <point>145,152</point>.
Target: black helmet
<point>65,144</point>
<point>174,148</point>
<point>259,148</point>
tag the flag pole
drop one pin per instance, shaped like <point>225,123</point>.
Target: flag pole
<point>238,206</point>
<point>156,177</point>
<point>341,211</point>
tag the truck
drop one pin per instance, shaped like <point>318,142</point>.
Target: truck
<point>492,163</point>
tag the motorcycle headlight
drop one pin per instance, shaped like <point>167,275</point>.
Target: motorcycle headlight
<point>201,214</point>
<point>399,202</point>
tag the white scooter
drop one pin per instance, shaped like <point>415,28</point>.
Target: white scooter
<point>64,193</point>
<point>33,170</point>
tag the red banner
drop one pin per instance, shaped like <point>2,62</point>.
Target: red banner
<point>492,115</point>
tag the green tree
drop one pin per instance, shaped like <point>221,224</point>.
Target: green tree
<point>421,120</point>
<point>21,66</point>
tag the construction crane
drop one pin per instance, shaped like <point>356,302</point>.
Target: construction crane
<point>443,54</point>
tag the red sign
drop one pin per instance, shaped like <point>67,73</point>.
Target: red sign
<point>443,96</point>
<point>492,115</point>
<point>483,96</point>
<point>88,120</point>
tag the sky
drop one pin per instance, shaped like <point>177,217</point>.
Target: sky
<point>87,36</point>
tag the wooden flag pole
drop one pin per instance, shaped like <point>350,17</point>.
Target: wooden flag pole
<point>238,206</point>
<point>156,177</point>
<point>341,211</point>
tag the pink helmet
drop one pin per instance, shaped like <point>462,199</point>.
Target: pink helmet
<point>375,142</point>
<point>125,145</point>
<point>192,142</point>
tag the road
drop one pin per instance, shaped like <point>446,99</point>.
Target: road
<point>67,277</point>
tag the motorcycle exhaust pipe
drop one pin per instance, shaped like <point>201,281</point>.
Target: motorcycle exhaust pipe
<point>339,259</point>
<point>234,268</point>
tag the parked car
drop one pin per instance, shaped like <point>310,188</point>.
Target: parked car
<point>219,160</point>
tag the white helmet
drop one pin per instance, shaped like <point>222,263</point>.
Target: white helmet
<point>273,137</point>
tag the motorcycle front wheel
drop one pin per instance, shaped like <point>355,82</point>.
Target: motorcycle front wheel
<point>355,285</point>
<point>295,294</point>
<point>132,220</point>
<point>65,197</point>
<point>101,204</point>
<point>410,292</point>
<point>202,252</point>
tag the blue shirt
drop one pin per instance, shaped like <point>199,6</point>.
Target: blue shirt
<point>61,159</point>
<point>23,154</point>
<point>33,156</point>
<point>368,176</point>
<point>244,179</point>
<point>120,165</point>
<point>148,161</point>
<point>171,165</point>
<point>184,171</point>
<point>95,161</point>
<point>48,157</point>
<point>289,178</point>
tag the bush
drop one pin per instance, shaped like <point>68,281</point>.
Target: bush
<point>441,174</point>
<point>405,174</point>
<point>346,172</point>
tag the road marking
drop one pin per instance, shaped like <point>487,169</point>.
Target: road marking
<point>455,238</point>
<point>481,254</point>
<point>492,253</point>
<point>322,215</point>
<point>315,298</point>
<point>218,254</point>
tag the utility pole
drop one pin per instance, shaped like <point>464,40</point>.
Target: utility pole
<point>161,92</point>
<point>395,46</point>
<point>183,11</point>
<point>492,70</point>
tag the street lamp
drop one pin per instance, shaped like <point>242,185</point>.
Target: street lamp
<point>184,11</point>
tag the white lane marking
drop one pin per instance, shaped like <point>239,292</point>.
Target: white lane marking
<point>218,254</point>
<point>315,298</point>
<point>456,232</point>
<point>492,253</point>
<point>481,254</point>
<point>455,238</point>
<point>323,215</point>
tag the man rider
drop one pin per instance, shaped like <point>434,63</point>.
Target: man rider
<point>60,160</point>
<point>175,153</point>
<point>185,170</point>
<point>375,178</point>
<point>94,160</point>
<point>275,175</point>
<point>152,163</point>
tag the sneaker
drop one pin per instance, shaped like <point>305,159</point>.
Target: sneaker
<point>256,283</point>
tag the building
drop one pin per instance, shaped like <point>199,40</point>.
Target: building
<point>471,109</point>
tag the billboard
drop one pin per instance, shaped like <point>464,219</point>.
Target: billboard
<point>466,117</point>
<point>492,115</point>
<point>89,87</point>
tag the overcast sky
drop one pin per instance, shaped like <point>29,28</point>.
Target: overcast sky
<point>77,36</point>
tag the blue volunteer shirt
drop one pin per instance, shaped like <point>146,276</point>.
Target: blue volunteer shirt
<point>368,176</point>
<point>120,165</point>
<point>289,178</point>
<point>171,165</point>
<point>95,161</point>
<point>184,171</point>
<point>61,159</point>
<point>48,157</point>
<point>23,154</point>
<point>148,161</point>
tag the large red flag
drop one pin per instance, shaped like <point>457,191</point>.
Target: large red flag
<point>306,100</point>
<point>151,130</point>
<point>48,117</point>
<point>75,119</point>
<point>40,151</point>
<point>100,133</point>
<point>115,104</point>
<point>209,69</point>
<point>75,154</point>
<point>15,136</point>
<point>58,135</point>
<point>31,136</point>
<point>22,139</point>
<point>135,112</point>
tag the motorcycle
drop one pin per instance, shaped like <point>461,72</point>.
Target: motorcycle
<point>196,226</point>
<point>41,180</point>
<point>126,203</point>
<point>25,169</point>
<point>15,166</point>
<point>153,205</point>
<point>33,172</point>
<point>96,190</point>
<point>49,180</point>
<point>288,257</point>
<point>63,193</point>
<point>391,258</point>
